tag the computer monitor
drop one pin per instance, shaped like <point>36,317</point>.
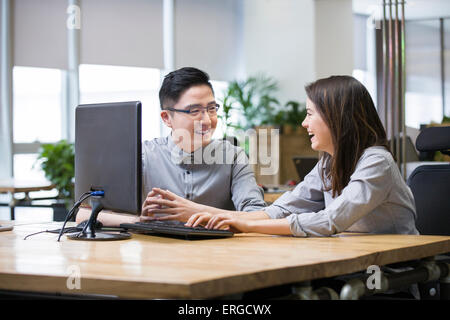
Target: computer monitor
<point>108,158</point>
<point>304,165</point>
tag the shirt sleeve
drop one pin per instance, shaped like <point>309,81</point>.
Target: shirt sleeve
<point>144,182</point>
<point>307,196</point>
<point>369,186</point>
<point>245,193</point>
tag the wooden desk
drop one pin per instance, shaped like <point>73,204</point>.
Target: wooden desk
<point>275,191</point>
<point>13,186</point>
<point>270,198</point>
<point>157,267</point>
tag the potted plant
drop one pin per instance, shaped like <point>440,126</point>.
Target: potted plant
<point>291,117</point>
<point>254,100</point>
<point>58,163</point>
<point>227,110</point>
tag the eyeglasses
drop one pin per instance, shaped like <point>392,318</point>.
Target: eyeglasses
<point>195,111</point>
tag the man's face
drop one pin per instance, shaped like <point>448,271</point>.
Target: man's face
<point>188,131</point>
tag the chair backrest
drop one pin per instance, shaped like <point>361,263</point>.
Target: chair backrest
<point>430,184</point>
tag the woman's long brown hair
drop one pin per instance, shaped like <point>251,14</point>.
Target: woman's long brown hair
<point>349,112</point>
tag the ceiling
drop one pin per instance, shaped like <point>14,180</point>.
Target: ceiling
<point>414,9</point>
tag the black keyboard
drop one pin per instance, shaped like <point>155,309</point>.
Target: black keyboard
<point>177,230</point>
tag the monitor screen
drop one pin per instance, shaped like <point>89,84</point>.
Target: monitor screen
<point>304,165</point>
<point>108,154</point>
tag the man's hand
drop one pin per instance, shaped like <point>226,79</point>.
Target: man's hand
<point>146,206</point>
<point>176,207</point>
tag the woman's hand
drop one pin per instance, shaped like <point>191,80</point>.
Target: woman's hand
<point>219,221</point>
<point>176,207</point>
<point>197,219</point>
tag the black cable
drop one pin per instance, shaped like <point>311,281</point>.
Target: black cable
<point>94,207</point>
<point>69,215</point>
<point>66,230</point>
<point>34,234</point>
<point>83,197</point>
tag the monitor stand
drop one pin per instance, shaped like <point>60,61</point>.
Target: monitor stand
<point>89,233</point>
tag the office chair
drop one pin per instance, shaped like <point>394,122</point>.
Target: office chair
<point>430,184</point>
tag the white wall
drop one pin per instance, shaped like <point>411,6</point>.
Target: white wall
<point>208,36</point>
<point>334,37</point>
<point>279,41</point>
<point>297,41</point>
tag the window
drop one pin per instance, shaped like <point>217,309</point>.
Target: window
<point>37,104</point>
<point>219,88</point>
<point>37,101</point>
<point>423,99</point>
<point>364,53</point>
<point>26,168</point>
<point>101,83</point>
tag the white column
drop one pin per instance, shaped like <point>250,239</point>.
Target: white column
<point>168,47</point>
<point>169,35</point>
<point>73,55</point>
<point>6,121</point>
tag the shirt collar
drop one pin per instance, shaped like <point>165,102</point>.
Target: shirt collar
<point>180,156</point>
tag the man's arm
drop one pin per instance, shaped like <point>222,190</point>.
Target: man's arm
<point>245,193</point>
<point>107,218</point>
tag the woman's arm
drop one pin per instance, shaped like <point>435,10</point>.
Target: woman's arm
<point>266,226</point>
<point>227,222</point>
<point>369,186</point>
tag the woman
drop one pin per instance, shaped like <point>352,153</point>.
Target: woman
<point>356,185</point>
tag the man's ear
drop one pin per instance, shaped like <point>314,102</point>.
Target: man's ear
<point>165,116</point>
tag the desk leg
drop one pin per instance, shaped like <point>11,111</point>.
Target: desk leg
<point>444,284</point>
<point>12,205</point>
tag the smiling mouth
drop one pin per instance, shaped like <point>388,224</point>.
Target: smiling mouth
<point>202,133</point>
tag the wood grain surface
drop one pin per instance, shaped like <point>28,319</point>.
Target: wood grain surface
<point>158,267</point>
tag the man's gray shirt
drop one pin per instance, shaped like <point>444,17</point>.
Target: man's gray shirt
<point>217,175</point>
<point>376,200</point>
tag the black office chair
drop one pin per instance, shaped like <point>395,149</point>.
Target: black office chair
<point>430,184</point>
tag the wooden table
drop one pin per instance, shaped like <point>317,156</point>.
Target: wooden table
<point>158,267</point>
<point>270,197</point>
<point>14,186</point>
<point>275,191</point>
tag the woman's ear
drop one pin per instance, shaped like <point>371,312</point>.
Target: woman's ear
<point>166,118</point>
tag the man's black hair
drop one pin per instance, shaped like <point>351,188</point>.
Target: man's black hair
<point>177,82</point>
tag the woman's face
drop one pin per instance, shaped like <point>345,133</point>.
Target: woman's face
<point>318,131</point>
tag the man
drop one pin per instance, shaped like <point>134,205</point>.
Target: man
<point>197,170</point>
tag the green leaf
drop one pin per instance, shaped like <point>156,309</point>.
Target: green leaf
<point>58,163</point>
